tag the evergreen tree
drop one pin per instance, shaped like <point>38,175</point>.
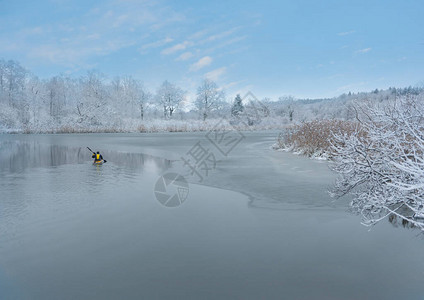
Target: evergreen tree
<point>237,107</point>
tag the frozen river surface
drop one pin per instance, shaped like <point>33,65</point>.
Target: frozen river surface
<point>260,225</point>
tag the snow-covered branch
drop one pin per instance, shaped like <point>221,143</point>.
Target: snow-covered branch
<point>384,169</point>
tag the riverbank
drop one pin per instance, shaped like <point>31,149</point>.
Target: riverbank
<point>154,125</point>
<point>315,139</point>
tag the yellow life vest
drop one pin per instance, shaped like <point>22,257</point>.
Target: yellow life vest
<point>97,157</point>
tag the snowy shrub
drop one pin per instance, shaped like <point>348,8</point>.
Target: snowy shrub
<point>315,138</point>
<point>384,169</point>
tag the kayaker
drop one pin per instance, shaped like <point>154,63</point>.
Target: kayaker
<point>97,157</point>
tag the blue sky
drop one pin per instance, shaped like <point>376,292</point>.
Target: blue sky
<point>272,48</point>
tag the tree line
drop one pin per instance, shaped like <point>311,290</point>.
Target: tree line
<point>26,101</point>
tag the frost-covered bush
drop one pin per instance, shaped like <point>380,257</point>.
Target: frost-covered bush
<point>384,169</point>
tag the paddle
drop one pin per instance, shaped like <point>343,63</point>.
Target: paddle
<point>104,160</point>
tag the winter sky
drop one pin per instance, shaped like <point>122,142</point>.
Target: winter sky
<point>273,48</point>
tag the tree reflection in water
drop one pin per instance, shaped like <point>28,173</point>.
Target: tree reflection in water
<point>16,156</point>
<point>405,218</point>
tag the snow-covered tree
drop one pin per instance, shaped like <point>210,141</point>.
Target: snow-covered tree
<point>144,97</point>
<point>35,89</point>
<point>264,107</point>
<point>382,165</point>
<point>12,82</point>
<point>30,104</point>
<point>237,107</point>
<point>289,106</point>
<point>255,111</point>
<point>169,97</point>
<point>93,106</point>
<point>209,98</point>
<point>129,96</point>
<point>56,96</point>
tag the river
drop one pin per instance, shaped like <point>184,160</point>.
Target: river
<point>250,223</point>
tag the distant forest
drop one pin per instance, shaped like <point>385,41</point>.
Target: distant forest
<point>93,103</point>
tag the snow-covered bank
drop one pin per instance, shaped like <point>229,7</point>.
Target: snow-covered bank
<point>96,103</point>
<point>313,139</point>
<point>383,169</point>
<point>379,158</point>
<point>155,125</point>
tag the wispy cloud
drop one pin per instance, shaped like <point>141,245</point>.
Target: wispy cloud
<point>156,44</point>
<point>215,74</point>
<point>201,63</point>
<point>73,56</point>
<point>362,51</point>
<point>346,32</point>
<point>177,47</point>
<point>226,43</point>
<point>222,35</point>
<point>102,30</point>
<point>184,56</point>
<point>198,39</point>
<point>198,34</point>
<point>232,84</point>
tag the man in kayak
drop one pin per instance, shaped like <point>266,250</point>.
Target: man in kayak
<point>98,158</point>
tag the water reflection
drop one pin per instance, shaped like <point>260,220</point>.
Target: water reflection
<point>16,156</point>
<point>36,175</point>
<point>397,221</point>
<point>405,218</point>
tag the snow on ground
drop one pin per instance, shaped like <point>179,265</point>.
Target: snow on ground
<point>154,125</point>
